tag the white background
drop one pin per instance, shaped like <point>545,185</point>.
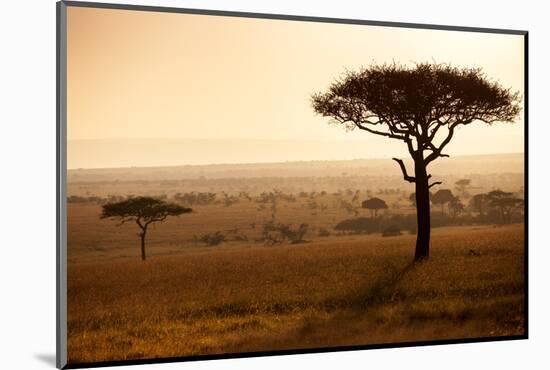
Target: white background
<point>27,181</point>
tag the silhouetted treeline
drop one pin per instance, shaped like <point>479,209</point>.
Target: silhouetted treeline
<point>396,223</point>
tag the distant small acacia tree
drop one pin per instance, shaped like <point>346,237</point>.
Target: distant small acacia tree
<point>442,197</point>
<point>455,207</point>
<point>422,106</point>
<point>505,202</point>
<point>212,239</point>
<point>143,211</point>
<point>479,203</point>
<point>374,204</point>
<point>462,186</point>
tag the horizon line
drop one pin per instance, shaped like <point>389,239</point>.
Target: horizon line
<point>274,163</point>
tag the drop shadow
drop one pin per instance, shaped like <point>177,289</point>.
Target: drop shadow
<point>46,358</point>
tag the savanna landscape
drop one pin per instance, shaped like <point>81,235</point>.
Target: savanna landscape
<point>227,278</point>
<point>245,191</point>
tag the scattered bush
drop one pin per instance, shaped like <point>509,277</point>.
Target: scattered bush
<point>195,198</point>
<point>364,225</point>
<point>212,239</point>
<point>78,199</point>
<point>275,233</point>
<point>323,232</point>
<point>392,230</point>
<point>358,225</point>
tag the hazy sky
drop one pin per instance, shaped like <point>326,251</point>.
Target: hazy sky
<point>134,74</point>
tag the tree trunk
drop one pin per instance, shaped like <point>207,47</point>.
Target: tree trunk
<point>510,214</point>
<point>142,235</point>
<point>422,211</point>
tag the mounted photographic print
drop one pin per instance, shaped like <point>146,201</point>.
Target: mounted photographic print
<point>237,184</point>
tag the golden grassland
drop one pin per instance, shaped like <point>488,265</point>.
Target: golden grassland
<point>244,296</point>
<point>92,239</point>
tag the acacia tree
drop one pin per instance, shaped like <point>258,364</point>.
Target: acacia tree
<point>462,186</point>
<point>442,196</point>
<point>505,202</point>
<point>374,204</point>
<point>422,106</point>
<point>478,203</point>
<point>143,211</point>
<point>455,207</point>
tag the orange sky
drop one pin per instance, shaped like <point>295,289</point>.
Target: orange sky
<point>134,74</point>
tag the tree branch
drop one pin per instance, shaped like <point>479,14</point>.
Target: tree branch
<point>404,170</point>
<point>410,147</point>
<point>437,151</point>
<point>387,134</point>
<point>434,184</point>
<point>123,220</point>
<point>141,226</point>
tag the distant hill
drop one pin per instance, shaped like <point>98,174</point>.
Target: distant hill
<point>454,166</point>
<point>173,152</point>
<point>154,152</point>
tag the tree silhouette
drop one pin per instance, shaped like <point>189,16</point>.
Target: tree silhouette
<point>479,203</point>
<point>412,198</point>
<point>143,211</point>
<point>455,207</point>
<point>505,202</point>
<point>442,197</point>
<point>462,186</point>
<point>422,106</point>
<point>374,204</point>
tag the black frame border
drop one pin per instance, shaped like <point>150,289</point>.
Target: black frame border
<point>61,126</point>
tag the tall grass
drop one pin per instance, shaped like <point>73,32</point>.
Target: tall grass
<point>338,291</point>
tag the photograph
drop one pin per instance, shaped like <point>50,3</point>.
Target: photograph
<point>240,184</point>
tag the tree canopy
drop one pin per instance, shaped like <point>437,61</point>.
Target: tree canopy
<point>506,202</point>
<point>478,202</point>
<point>442,196</point>
<point>420,105</point>
<point>374,204</point>
<point>142,210</point>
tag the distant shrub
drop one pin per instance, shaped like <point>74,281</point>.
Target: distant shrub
<point>392,230</point>
<point>369,225</point>
<point>195,198</point>
<point>274,233</point>
<point>358,225</point>
<point>79,199</point>
<point>403,222</point>
<point>323,232</point>
<point>241,237</point>
<point>212,238</point>
<point>349,207</point>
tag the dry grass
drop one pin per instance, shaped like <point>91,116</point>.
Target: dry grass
<point>92,239</point>
<point>331,292</point>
